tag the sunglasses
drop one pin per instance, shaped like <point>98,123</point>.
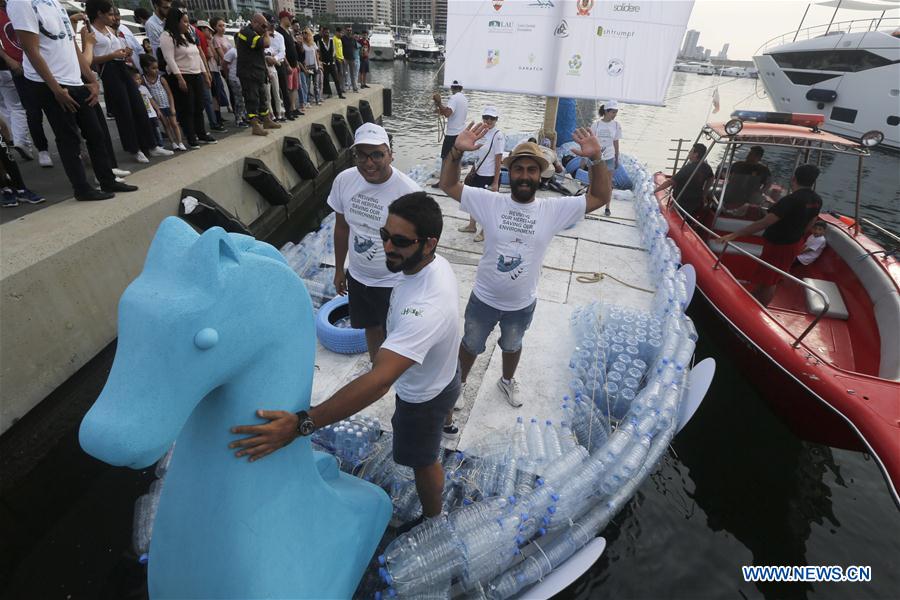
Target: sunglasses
<point>397,240</point>
<point>487,118</point>
<point>362,156</point>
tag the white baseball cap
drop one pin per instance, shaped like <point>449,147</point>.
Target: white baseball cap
<point>370,133</point>
<point>456,83</point>
<point>611,105</point>
<point>490,111</point>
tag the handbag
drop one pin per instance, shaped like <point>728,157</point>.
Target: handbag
<point>470,178</point>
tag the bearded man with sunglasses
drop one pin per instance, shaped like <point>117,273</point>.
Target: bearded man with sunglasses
<point>360,198</point>
<point>518,228</point>
<point>418,357</point>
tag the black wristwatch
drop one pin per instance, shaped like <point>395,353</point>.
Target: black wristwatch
<point>305,426</point>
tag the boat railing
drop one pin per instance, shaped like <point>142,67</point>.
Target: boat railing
<point>886,24</point>
<point>686,215</point>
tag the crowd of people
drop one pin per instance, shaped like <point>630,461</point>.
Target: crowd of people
<point>167,93</point>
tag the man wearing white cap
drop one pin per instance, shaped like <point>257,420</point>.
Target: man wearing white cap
<point>360,198</point>
<point>518,228</point>
<point>485,172</point>
<point>609,132</point>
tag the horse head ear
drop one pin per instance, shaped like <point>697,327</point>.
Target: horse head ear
<point>172,240</point>
<point>215,249</point>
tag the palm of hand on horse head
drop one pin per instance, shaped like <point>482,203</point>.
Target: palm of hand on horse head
<point>214,326</point>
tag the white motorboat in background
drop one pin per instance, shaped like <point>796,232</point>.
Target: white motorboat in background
<point>421,46</point>
<point>381,43</point>
<point>848,71</point>
<point>743,72</point>
<point>698,68</point>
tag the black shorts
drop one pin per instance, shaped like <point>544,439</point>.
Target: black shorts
<point>368,305</point>
<point>418,427</point>
<point>447,146</point>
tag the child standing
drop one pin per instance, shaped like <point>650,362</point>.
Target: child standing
<point>237,93</point>
<point>162,98</point>
<point>814,244</point>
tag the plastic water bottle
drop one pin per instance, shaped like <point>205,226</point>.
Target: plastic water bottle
<point>144,515</point>
<point>520,445</point>
<point>536,442</point>
<point>551,441</point>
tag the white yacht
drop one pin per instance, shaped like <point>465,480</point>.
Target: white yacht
<point>740,72</point>
<point>848,71</point>
<point>699,68</point>
<point>421,46</point>
<point>381,43</point>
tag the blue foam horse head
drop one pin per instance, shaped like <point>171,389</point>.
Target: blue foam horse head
<point>216,326</point>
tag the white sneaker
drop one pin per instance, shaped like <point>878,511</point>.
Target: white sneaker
<point>121,172</point>
<point>462,394</point>
<point>511,390</point>
<point>119,180</point>
<point>44,159</point>
<point>141,157</point>
<point>160,151</point>
<point>182,147</point>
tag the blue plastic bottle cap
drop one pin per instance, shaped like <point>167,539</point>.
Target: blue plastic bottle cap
<point>377,595</point>
<point>554,497</point>
<point>533,420</point>
<point>549,422</point>
<point>541,532</point>
<point>520,540</point>
<point>551,509</point>
<point>545,520</point>
<point>381,560</point>
<point>143,558</point>
<point>512,499</point>
<point>392,593</point>
<point>519,420</point>
<point>382,572</point>
<point>539,481</point>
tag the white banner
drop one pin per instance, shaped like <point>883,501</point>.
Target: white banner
<point>568,48</point>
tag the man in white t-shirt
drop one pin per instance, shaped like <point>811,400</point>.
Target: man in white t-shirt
<point>54,67</point>
<point>518,228</point>
<point>360,198</point>
<point>455,112</point>
<point>418,357</point>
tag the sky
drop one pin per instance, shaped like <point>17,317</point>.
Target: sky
<point>747,24</point>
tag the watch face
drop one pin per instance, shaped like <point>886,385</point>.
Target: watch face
<point>307,427</point>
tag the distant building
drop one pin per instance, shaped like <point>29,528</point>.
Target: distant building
<point>707,53</point>
<point>314,7</point>
<point>723,53</point>
<point>212,8</point>
<point>368,11</point>
<point>689,47</point>
<point>263,6</point>
<point>432,12</point>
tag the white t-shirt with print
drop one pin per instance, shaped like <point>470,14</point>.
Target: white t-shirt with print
<point>816,245</point>
<point>423,326</point>
<point>146,97</point>
<point>607,132</point>
<point>516,237</point>
<point>365,208</point>
<point>56,41</point>
<point>456,122</point>
<point>492,144</point>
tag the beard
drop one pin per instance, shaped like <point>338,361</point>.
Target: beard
<point>523,195</point>
<point>404,265</point>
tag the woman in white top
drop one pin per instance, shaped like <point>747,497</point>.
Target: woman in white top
<point>186,72</point>
<point>609,132</point>
<point>485,173</point>
<point>312,66</point>
<point>121,94</point>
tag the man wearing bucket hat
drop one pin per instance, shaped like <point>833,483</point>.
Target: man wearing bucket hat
<point>360,198</point>
<point>518,228</point>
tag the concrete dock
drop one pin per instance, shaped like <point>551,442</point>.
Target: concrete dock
<point>64,267</point>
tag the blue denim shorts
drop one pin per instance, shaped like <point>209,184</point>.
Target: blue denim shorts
<point>481,320</point>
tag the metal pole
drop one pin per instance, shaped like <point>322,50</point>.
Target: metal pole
<point>796,33</point>
<point>836,8</point>
<point>549,128</point>
<point>677,156</point>
<point>877,25</point>
<point>858,186</point>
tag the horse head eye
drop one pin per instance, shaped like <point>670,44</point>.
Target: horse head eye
<point>206,338</point>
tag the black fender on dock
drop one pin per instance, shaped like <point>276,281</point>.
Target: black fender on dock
<point>365,109</point>
<point>258,175</point>
<point>208,213</point>
<point>299,158</point>
<point>354,118</point>
<point>323,142</point>
<point>341,130</point>
<point>386,99</point>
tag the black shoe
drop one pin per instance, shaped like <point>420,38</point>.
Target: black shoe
<point>299,113</point>
<point>219,127</point>
<point>207,139</point>
<point>364,86</point>
<point>93,194</point>
<point>117,186</point>
<point>342,97</point>
<point>291,117</point>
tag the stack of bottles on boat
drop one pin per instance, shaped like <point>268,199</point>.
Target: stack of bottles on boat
<point>524,500</point>
<point>311,260</point>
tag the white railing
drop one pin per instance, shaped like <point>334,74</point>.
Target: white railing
<point>887,25</point>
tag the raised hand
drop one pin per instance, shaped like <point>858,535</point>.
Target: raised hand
<point>467,138</point>
<point>588,142</point>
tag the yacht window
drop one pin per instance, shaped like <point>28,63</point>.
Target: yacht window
<point>804,78</point>
<point>848,61</point>
<point>893,120</point>
<point>846,115</point>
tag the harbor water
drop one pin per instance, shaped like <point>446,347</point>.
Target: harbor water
<point>737,487</point>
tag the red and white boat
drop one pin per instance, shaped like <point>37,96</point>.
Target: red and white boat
<point>826,350</point>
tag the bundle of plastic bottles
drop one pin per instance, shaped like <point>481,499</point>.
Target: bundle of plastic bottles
<point>145,510</point>
<point>350,440</point>
<point>311,258</point>
<point>534,495</point>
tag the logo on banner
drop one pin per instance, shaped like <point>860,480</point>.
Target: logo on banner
<point>497,4</point>
<point>615,67</point>
<point>575,65</point>
<point>619,33</point>
<point>627,8</point>
<point>493,58</point>
<point>584,7</point>
<point>542,4</point>
<point>495,26</point>
<point>531,66</point>
<point>562,30</point>
<point>525,27</point>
